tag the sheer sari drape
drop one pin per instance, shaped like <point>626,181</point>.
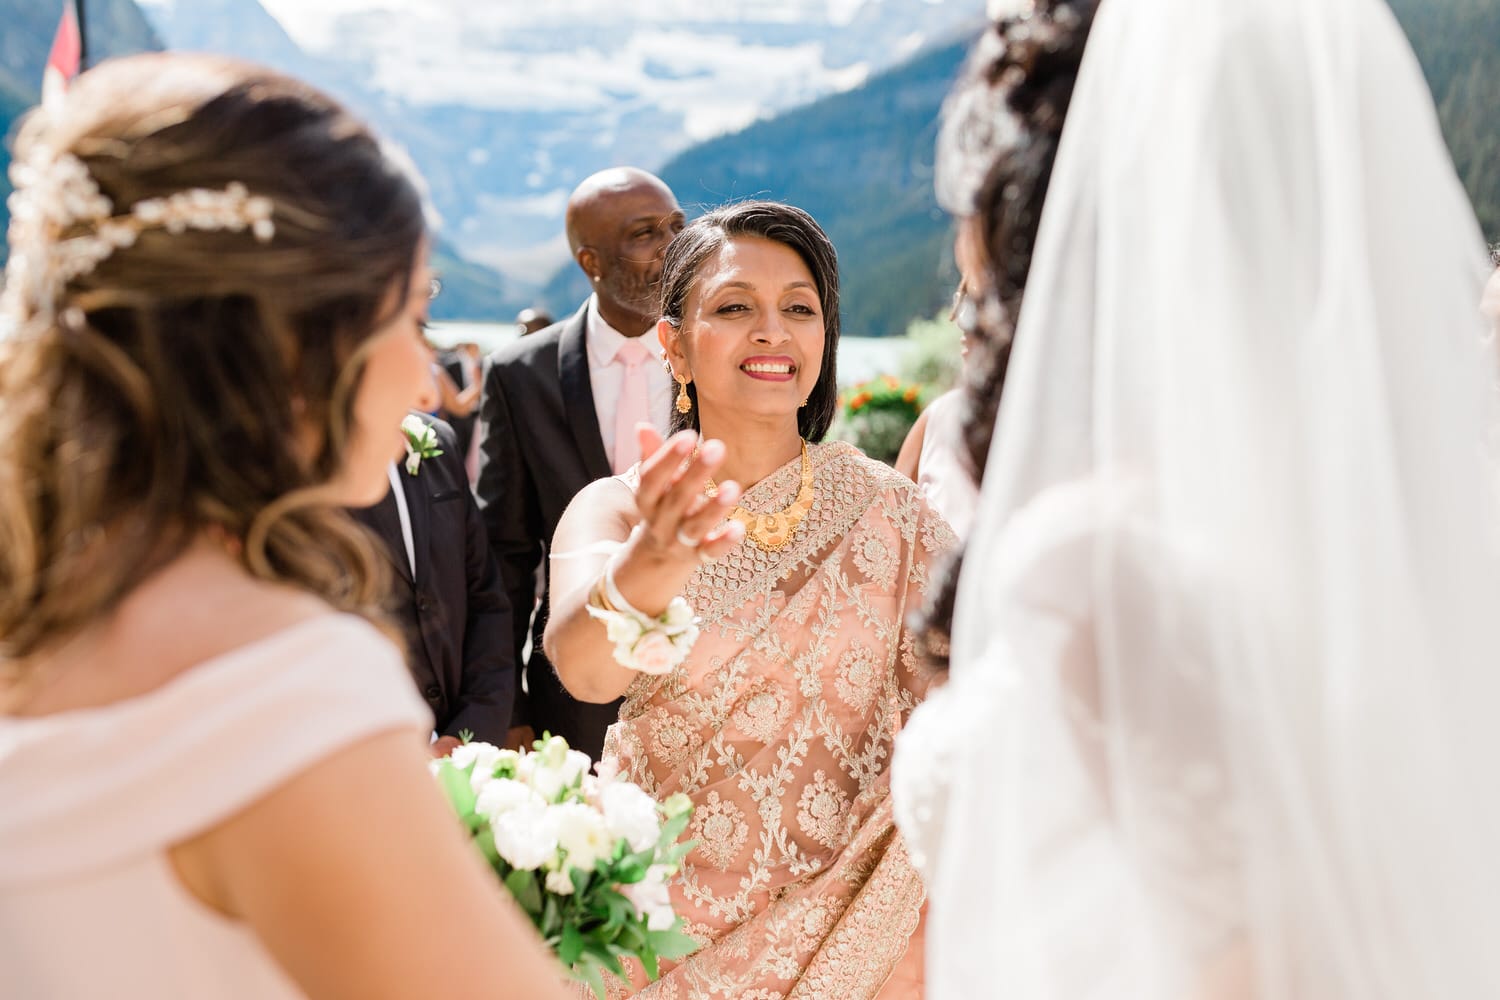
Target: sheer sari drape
<point>780,727</point>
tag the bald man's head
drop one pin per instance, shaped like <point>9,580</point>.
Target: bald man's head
<point>619,223</point>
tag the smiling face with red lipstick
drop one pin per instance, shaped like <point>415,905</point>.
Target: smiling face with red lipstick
<point>750,318</point>
<point>752,334</point>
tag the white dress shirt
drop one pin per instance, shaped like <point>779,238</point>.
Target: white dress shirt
<point>605,376</point>
<point>393,472</point>
<point>405,516</point>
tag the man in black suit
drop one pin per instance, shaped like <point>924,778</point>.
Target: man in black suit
<point>558,411</point>
<point>448,596</point>
<point>462,364</point>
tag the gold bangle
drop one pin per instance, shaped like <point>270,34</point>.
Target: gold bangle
<point>597,598</point>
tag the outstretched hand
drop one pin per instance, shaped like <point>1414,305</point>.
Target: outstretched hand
<point>677,519</point>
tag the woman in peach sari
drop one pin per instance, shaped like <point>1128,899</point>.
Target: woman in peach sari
<point>779,720</point>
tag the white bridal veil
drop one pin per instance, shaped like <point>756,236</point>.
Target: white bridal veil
<point>1224,713</point>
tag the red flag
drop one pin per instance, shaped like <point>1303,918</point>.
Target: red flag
<point>67,55</point>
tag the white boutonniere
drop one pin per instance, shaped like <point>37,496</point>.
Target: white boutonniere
<point>421,442</point>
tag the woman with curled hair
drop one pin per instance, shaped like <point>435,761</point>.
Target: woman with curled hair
<point>210,752</point>
<point>745,589</point>
<point>1001,128</point>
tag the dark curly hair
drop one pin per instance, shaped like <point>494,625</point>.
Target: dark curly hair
<point>1001,127</point>
<point>784,224</point>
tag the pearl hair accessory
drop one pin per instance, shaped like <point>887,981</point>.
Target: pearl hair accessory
<point>55,195</point>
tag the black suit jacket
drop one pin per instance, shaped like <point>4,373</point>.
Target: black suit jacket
<point>463,427</point>
<point>454,613</point>
<point>539,445</point>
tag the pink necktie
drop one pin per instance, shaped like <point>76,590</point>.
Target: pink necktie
<point>634,406</point>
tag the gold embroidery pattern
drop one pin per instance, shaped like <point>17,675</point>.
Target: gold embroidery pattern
<point>780,726</point>
<point>859,676</point>
<point>822,809</point>
<point>672,738</point>
<point>763,714</point>
<point>722,830</point>
<point>877,562</point>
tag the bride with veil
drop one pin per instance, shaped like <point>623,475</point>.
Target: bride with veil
<point>1226,652</point>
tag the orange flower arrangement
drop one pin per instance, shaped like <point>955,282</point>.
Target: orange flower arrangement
<point>876,415</point>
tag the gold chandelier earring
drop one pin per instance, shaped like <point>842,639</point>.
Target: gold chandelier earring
<point>684,402</point>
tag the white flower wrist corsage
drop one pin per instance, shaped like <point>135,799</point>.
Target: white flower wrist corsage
<point>643,643</point>
<point>421,442</point>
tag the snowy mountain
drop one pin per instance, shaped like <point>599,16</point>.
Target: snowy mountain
<point>506,105</point>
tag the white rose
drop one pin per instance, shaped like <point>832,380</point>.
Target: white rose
<point>559,884</point>
<point>581,833</point>
<point>526,837</point>
<point>652,899</point>
<point>549,779</point>
<point>502,795</point>
<point>654,654</point>
<point>608,769</point>
<point>679,614</point>
<point>413,462</point>
<point>474,752</point>
<point>576,765</point>
<point>482,756</point>
<point>661,918</point>
<point>684,640</point>
<point>420,432</point>
<point>622,629</point>
<point>630,813</point>
<point>548,782</point>
<point>553,752</point>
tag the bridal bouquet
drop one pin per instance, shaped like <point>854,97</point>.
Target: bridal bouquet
<point>586,855</point>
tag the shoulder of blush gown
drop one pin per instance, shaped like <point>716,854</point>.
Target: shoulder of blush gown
<point>93,787</point>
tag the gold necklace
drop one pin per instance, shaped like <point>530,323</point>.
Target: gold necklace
<point>773,532</point>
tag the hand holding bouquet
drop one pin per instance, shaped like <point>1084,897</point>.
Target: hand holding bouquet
<point>586,856</point>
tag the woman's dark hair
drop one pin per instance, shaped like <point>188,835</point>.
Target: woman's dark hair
<point>198,380</point>
<point>791,227</point>
<point>1001,128</point>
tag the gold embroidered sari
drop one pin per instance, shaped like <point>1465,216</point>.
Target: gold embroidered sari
<point>779,726</point>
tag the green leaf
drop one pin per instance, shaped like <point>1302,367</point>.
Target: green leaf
<point>631,937</point>
<point>671,943</point>
<point>571,946</point>
<point>648,962</point>
<point>672,855</point>
<point>551,917</point>
<point>632,867</point>
<point>672,829</point>
<point>621,910</point>
<point>484,839</point>
<point>522,885</point>
<point>601,953</point>
<point>455,784</point>
<point>588,970</point>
